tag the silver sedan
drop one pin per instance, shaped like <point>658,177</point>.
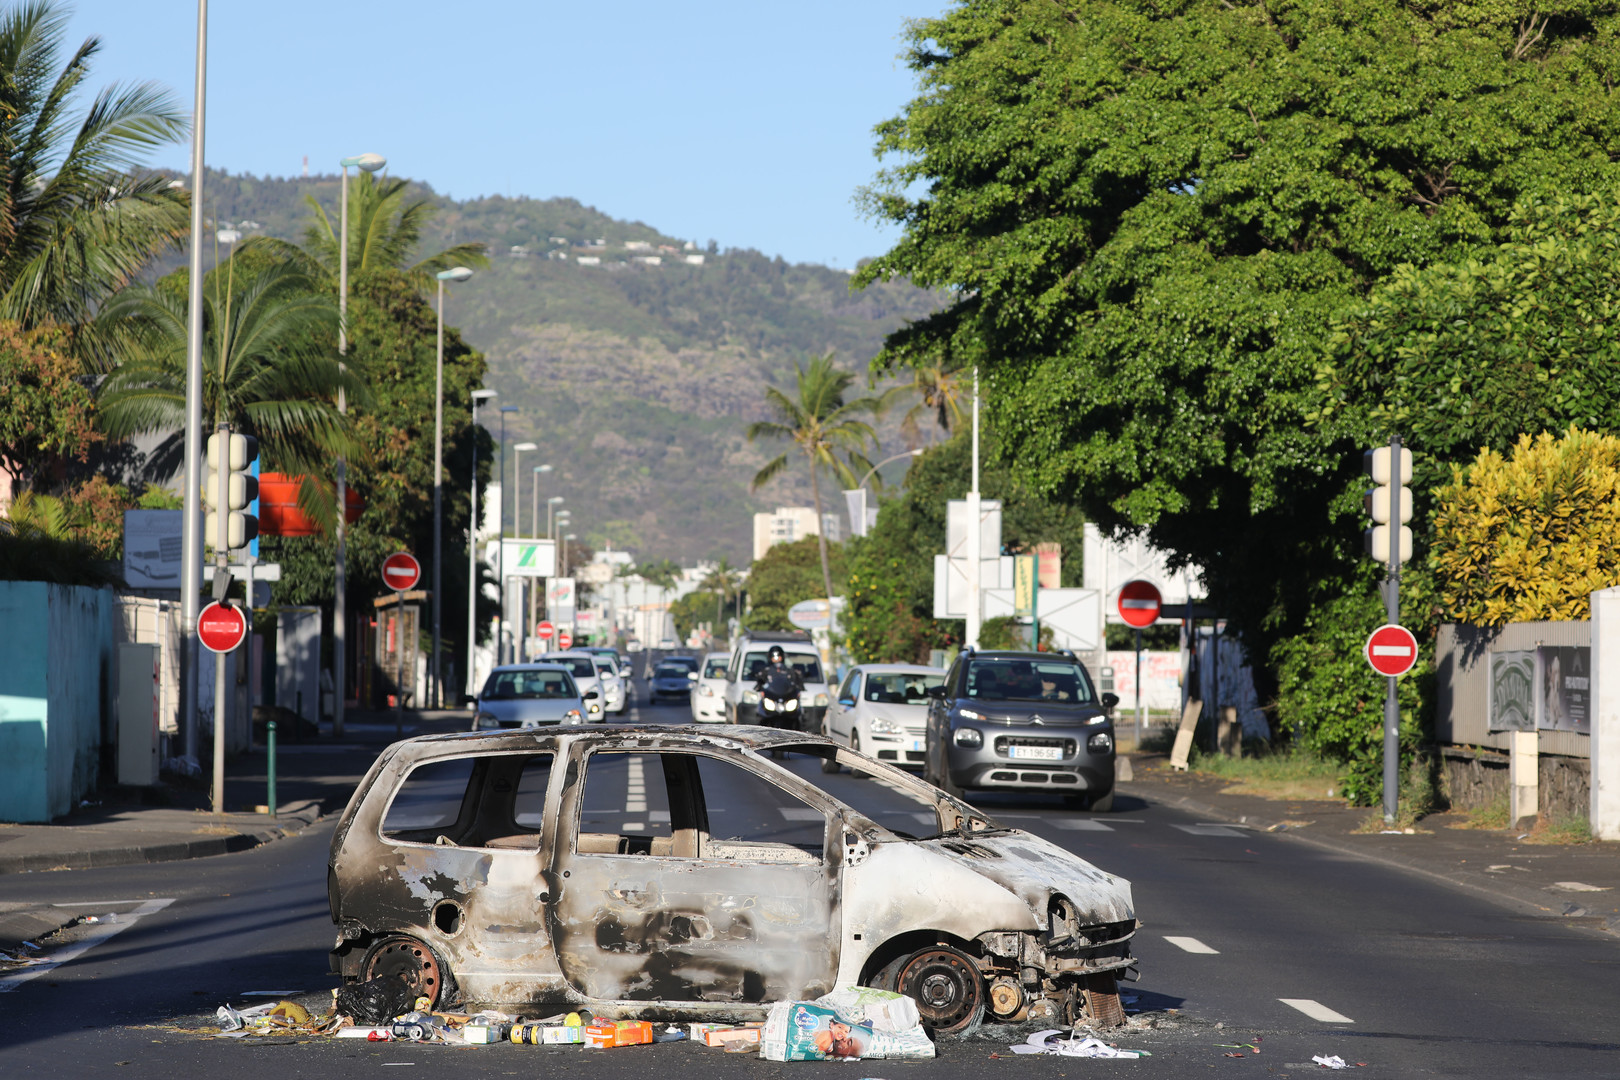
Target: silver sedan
<point>528,696</point>
<point>882,710</point>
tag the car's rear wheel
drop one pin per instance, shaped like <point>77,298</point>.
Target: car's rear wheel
<point>410,960</point>
<point>947,986</point>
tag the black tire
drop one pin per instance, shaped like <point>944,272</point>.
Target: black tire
<point>947,986</point>
<point>1102,804</point>
<point>412,961</point>
<point>829,764</point>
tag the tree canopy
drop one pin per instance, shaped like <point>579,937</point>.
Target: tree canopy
<point>1152,215</point>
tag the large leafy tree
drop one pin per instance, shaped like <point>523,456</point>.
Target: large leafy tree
<point>77,221</point>
<point>1151,214</point>
<point>46,412</point>
<point>821,424</point>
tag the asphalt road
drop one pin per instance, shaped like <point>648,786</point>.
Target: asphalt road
<point>1248,938</point>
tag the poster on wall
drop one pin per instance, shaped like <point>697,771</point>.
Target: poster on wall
<point>1512,703</point>
<point>1565,679</point>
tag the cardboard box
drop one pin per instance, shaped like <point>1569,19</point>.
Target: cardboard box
<point>723,1034</point>
<point>618,1033</point>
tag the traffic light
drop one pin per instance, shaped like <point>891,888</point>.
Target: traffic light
<point>241,489</point>
<point>1389,504</point>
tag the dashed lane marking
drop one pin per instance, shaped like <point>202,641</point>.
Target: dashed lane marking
<point>1082,825</point>
<point>1192,945</point>
<point>1210,830</point>
<point>1316,1010</point>
<point>95,937</point>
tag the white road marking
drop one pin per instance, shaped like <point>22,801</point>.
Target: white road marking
<point>1192,945</point>
<point>801,813</point>
<point>1081,824</point>
<point>1579,886</point>
<point>95,937</point>
<point>1211,830</point>
<point>635,799</point>
<point>1316,1010</point>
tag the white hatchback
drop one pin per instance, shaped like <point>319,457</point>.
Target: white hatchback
<point>709,691</point>
<point>589,677</point>
<point>881,710</point>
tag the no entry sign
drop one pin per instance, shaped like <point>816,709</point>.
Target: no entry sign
<point>221,629</point>
<point>401,571</point>
<point>1391,650</point>
<point>544,631</point>
<point>565,640</point>
<point>1139,603</point>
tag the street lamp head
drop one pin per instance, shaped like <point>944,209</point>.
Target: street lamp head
<point>570,536</point>
<point>509,408</point>
<point>555,499</point>
<point>526,446</point>
<point>542,468</point>
<point>368,162</point>
<point>455,273</point>
<point>481,396</point>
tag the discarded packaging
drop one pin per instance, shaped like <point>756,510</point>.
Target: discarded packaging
<point>607,1033</point>
<point>725,1035</point>
<point>376,1001</point>
<point>1330,1061</point>
<point>483,1032</point>
<point>375,1034</point>
<point>801,1031</point>
<point>1052,1042</point>
<point>883,1010</point>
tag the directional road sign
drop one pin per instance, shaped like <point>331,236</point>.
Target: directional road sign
<point>1139,603</point>
<point>1391,650</point>
<point>544,631</point>
<point>401,571</point>
<point>221,629</point>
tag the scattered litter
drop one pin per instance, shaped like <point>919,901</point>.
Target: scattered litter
<point>609,1033</point>
<point>803,1031</point>
<point>736,1037</point>
<point>1579,886</point>
<point>1052,1042</point>
<point>374,1001</point>
<point>884,1010</point>
<point>1337,1062</point>
<point>1251,1047</point>
<point>271,993</point>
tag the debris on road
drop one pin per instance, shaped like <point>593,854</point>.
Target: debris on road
<point>1051,1041</point>
<point>803,1031</point>
<point>1336,1062</point>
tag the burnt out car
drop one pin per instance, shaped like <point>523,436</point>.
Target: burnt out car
<point>681,872</point>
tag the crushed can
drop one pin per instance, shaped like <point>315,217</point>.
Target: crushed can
<point>411,1031</point>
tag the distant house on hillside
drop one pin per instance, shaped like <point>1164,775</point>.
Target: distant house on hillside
<point>637,245</point>
<point>647,260</point>
<point>557,239</point>
<point>518,251</point>
<point>563,255</point>
<point>695,260</point>
<point>590,260</point>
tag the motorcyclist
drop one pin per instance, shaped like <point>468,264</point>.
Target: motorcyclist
<point>783,680</point>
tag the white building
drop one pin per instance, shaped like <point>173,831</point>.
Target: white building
<point>790,523</point>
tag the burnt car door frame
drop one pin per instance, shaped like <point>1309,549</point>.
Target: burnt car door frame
<point>700,922</point>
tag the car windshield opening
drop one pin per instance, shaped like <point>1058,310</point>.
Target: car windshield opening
<point>898,801</point>
<point>901,689</point>
<point>715,669</point>
<point>669,671</point>
<point>1060,681</point>
<point>529,685</point>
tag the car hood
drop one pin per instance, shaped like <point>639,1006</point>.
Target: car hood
<point>1033,869</point>
<point>911,717</point>
<point>1036,713</point>
<point>520,710</point>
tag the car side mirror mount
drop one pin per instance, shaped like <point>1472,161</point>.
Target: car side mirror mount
<point>1109,700</point>
<point>847,702</point>
<point>936,692</point>
<point>591,695</point>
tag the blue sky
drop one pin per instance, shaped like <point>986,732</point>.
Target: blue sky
<point>748,123</point>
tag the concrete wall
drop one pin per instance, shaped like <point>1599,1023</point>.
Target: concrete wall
<point>1463,675</point>
<point>1475,779</point>
<point>56,694</point>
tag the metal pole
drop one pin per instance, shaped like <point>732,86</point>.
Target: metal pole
<point>399,664</point>
<point>438,497</point>
<point>191,539</point>
<point>472,561</point>
<point>1392,606</point>
<point>340,577</point>
<point>1138,632</point>
<point>975,537</point>
<point>270,765</point>
<point>500,552</point>
<point>222,572</point>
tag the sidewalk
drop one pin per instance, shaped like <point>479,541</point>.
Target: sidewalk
<point>314,779</point>
<point>1578,882</point>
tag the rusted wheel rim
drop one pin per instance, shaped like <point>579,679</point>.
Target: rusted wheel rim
<point>947,987</point>
<point>410,960</point>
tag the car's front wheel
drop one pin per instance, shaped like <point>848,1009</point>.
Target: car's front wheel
<point>947,986</point>
<point>410,960</point>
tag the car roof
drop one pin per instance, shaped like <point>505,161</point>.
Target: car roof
<point>533,666</point>
<point>1015,654</point>
<point>717,656</point>
<point>899,669</point>
<point>568,654</point>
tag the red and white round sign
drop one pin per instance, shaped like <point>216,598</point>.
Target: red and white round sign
<point>565,640</point>
<point>221,629</point>
<point>401,571</point>
<point>1391,650</point>
<point>544,631</point>
<point>1139,603</point>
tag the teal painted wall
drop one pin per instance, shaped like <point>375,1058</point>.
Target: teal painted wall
<point>56,683</point>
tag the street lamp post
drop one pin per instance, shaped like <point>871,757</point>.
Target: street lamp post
<point>435,689</point>
<point>551,520</point>
<point>370,163</point>
<point>478,398</point>
<point>856,496</point>
<point>191,538</point>
<point>500,552</point>
<point>517,531</point>
<point>534,531</point>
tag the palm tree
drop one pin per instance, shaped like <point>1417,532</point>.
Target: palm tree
<point>663,575</point>
<point>266,369</point>
<point>384,232</point>
<point>76,223</point>
<point>940,391</point>
<point>820,423</point>
<point>723,580</point>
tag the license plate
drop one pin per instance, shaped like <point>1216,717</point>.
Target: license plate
<point>1036,753</point>
<point>917,746</point>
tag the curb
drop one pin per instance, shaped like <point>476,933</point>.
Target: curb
<point>1529,899</point>
<point>287,824</point>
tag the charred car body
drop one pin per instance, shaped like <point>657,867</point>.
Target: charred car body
<point>670,872</point>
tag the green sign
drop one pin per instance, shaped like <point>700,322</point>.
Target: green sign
<point>1026,584</point>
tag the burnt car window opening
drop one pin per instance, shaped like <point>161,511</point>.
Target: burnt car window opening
<point>1028,680</point>
<point>751,818</point>
<point>529,685</point>
<point>898,801</point>
<point>492,800</point>
<point>624,806</point>
<point>715,669</point>
<point>899,689</point>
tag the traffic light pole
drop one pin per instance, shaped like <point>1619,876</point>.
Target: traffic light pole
<point>1392,613</point>
<point>222,583</point>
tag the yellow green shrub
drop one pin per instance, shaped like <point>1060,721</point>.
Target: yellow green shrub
<point>1529,536</point>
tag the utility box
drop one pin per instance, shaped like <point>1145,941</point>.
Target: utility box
<point>140,688</point>
<point>298,661</point>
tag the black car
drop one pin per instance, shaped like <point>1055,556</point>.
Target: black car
<point>1029,721</point>
<point>671,679</point>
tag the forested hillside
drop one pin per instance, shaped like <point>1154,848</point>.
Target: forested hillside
<point>636,378</point>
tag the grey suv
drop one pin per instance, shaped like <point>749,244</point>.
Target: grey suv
<point>1027,721</point>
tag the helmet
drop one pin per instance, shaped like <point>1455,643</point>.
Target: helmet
<point>776,654</point>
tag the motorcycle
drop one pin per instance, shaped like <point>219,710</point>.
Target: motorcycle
<point>779,702</point>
